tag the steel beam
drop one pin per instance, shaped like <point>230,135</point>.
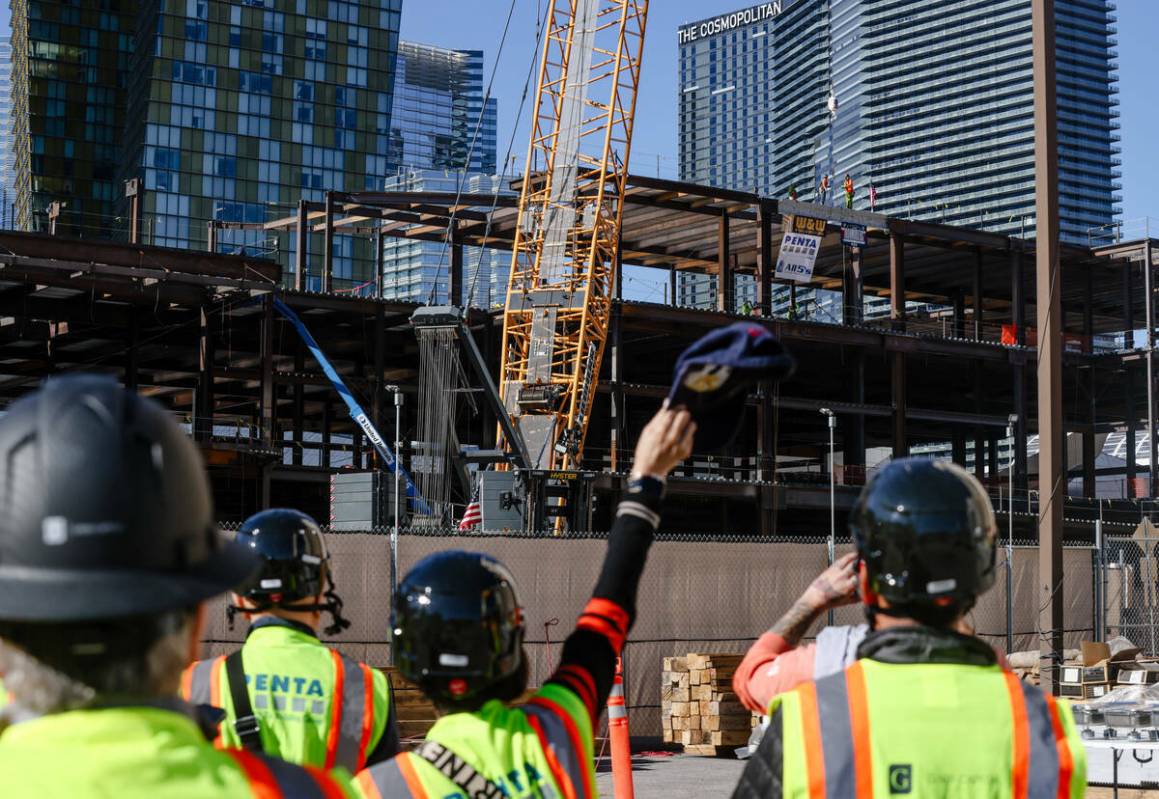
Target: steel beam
<point>1132,423</point>
<point>299,407</point>
<point>1149,316</point>
<point>1051,434</point>
<point>853,291</point>
<point>616,347</point>
<point>302,248</point>
<point>898,395</point>
<point>1017,294</point>
<point>455,295</point>
<point>267,408</point>
<point>203,410</point>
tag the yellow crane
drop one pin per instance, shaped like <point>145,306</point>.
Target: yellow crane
<point>570,213</point>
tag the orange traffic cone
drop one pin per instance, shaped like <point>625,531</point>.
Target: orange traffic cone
<point>620,739</point>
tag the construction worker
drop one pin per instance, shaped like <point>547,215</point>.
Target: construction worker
<point>926,711</point>
<point>108,551</point>
<point>284,692</point>
<point>459,634</point>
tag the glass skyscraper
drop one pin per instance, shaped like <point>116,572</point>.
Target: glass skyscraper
<point>442,119</point>
<point>930,103</point>
<point>443,139</point>
<point>230,111</point>
<point>7,139</point>
<point>70,64</point>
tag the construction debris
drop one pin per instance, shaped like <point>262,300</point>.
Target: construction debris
<point>698,708</point>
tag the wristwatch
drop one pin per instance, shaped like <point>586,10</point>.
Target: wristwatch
<point>647,484</point>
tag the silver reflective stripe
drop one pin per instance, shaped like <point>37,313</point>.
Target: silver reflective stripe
<point>1043,767</point>
<point>836,649</point>
<point>294,782</point>
<point>351,715</point>
<point>836,737</point>
<point>200,686</point>
<point>388,779</point>
<point>556,732</point>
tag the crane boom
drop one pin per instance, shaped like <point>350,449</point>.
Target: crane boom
<point>566,255</point>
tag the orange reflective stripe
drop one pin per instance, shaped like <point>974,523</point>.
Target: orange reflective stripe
<point>333,734</point>
<point>859,726</point>
<point>215,695</point>
<point>410,776</point>
<point>366,785</point>
<point>1065,756</point>
<point>814,748</point>
<point>186,683</point>
<point>330,789</point>
<point>557,769</point>
<point>367,713</point>
<point>261,779</point>
<point>577,743</point>
<point>1020,770</point>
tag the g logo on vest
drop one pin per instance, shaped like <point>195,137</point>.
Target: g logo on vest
<point>900,779</point>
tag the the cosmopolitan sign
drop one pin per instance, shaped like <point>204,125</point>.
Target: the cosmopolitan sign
<point>729,22</point>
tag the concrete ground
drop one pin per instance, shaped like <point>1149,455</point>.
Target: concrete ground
<point>685,777</point>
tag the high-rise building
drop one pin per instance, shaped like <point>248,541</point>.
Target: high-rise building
<point>443,139</point>
<point>930,103</point>
<point>419,271</point>
<point>226,111</point>
<point>442,117</point>
<point>7,139</point>
<point>70,63</point>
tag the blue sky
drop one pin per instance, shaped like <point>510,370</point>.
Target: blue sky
<point>478,24</point>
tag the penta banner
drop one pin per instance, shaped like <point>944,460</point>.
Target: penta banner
<point>799,248</point>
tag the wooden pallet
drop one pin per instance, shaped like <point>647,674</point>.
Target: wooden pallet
<point>698,708</point>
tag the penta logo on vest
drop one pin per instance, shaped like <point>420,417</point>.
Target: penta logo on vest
<point>285,684</point>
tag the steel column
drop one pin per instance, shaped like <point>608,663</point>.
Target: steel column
<point>616,397</point>
<point>1051,463</point>
<point>1021,428</point>
<point>299,403</point>
<point>203,409</point>
<point>979,433</point>
<point>327,422</point>
<point>1149,316</point>
<point>853,291</point>
<point>455,295</point>
<point>379,263</point>
<point>897,282</point>
<point>1132,424</point>
<point>724,276</point>
<point>328,246</point>
<point>958,446</point>
<point>1017,293</point>
<point>978,290</point>
<point>898,395</point>
<point>267,408</point>
<point>672,286</point>
<point>302,248</point>
<point>959,318</point>
<point>766,264</point>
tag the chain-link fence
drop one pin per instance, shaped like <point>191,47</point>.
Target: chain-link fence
<point>700,593</point>
<point>1127,592</point>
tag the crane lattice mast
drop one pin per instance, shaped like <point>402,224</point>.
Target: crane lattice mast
<point>570,212</point>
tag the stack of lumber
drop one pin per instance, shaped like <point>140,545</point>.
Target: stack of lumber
<point>415,713</point>
<point>698,708</point>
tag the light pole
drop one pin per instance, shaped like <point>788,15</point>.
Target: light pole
<point>1010,422</point>
<point>398,398</point>
<point>832,493</point>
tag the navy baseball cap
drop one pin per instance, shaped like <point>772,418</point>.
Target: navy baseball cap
<point>714,374</point>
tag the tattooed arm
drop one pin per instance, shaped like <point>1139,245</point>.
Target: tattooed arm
<point>776,663</point>
<point>834,587</point>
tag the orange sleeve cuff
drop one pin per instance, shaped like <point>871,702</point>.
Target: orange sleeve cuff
<point>771,667</point>
<point>605,617</point>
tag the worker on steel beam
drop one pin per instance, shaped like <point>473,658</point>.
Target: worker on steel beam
<point>459,627</point>
<point>926,710</point>
<point>108,551</point>
<point>284,692</point>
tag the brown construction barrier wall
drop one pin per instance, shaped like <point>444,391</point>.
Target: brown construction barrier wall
<point>697,596</point>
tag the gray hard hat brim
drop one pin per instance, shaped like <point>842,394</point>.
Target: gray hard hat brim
<point>58,595</point>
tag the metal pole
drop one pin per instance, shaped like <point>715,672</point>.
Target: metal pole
<point>832,495</point>
<point>398,398</point>
<point>1010,540</point>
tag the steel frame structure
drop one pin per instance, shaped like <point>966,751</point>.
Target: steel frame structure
<point>570,213</point>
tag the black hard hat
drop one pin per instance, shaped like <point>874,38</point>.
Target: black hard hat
<point>926,531</point>
<point>295,565</point>
<point>105,509</point>
<point>293,554</point>
<point>458,625</point>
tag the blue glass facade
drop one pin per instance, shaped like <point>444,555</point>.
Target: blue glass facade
<point>443,139</point>
<point>931,103</point>
<point>227,111</point>
<point>441,118</point>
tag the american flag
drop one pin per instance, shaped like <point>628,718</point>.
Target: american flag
<point>473,515</point>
